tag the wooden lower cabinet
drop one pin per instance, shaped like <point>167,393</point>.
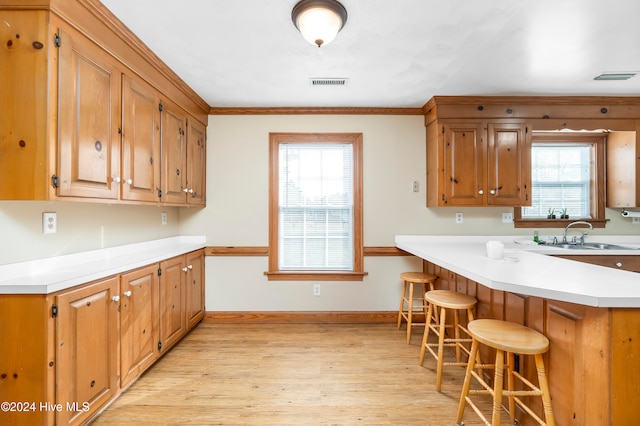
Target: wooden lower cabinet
<point>138,322</point>
<point>86,350</point>
<point>593,364</point>
<point>70,353</point>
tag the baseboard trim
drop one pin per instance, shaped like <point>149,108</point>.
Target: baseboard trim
<point>276,317</point>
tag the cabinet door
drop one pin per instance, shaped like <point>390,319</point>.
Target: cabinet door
<point>195,287</point>
<point>196,163</point>
<point>140,141</point>
<point>89,117</point>
<point>509,164</point>
<point>173,130</point>
<point>463,164</point>
<point>138,322</point>
<point>172,295</point>
<point>86,350</point>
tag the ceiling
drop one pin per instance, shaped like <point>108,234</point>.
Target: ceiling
<point>395,53</point>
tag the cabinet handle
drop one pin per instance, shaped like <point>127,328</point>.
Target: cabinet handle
<point>481,192</point>
<point>185,269</point>
<point>185,189</point>
<point>116,298</point>
<point>190,266</point>
<point>190,191</point>
<point>116,179</point>
<point>619,264</point>
<point>493,191</point>
<point>128,181</point>
<point>127,293</point>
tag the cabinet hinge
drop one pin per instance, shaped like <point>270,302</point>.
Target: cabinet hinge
<point>54,311</point>
<point>56,40</point>
<point>159,345</point>
<point>443,130</point>
<point>442,197</point>
<point>159,193</point>
<point>54,181</point>
<point>160,107</point>
<point>526,130</point>
<point>159,271</point>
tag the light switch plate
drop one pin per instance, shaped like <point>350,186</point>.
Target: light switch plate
<point>507,217</point>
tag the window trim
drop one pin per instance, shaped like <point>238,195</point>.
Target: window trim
<point>598,141</point>
<point>274,274</point>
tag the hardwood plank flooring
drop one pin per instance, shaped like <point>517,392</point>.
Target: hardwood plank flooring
<point>292,374</point>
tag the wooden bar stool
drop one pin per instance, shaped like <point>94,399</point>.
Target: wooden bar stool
<point>408,297</point>
<point>506,338</point>
<point>445,299</point>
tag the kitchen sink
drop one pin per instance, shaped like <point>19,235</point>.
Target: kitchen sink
<point>593,246</point>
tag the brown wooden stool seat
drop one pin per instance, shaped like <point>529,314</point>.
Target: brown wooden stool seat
<point>445,299</point>
<point>506,338</point>
<point>408,298</point>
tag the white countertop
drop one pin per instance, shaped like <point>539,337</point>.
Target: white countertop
<point>528,270</point>
<point>44,276</point>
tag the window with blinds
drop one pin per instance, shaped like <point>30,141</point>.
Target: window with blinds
<point>561,178</point>
<point>315,207</point>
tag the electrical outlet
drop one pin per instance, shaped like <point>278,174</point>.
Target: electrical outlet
<point>507,217</point>
<point>163,218</point>
<point>316,289</point>
<point>459,218</point>
<point>415,186</point>
<point>49,223</point>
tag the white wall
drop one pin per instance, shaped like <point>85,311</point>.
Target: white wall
<point>81,227</point>
<point>394,156</point>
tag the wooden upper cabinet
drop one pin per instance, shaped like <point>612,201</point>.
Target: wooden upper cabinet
<point>140,141</point>
<point>77,123</point>
<point>623,169</point>
<point>173,129</point>
<point>476,163</point>
<point>509,164</point>
<point>196,163</point>
<point>88,119</point>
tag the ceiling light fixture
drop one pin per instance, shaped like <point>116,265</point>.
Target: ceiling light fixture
<point>319,21</point>
<point>615,76</point>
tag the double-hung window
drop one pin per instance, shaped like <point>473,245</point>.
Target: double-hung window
<point>567,180</point>
<point>315,207</point>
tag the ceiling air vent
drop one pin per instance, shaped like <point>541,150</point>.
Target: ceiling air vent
<point>328,81</point>
<point>612,76</point>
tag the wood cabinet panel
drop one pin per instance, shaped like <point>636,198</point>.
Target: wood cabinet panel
<point>196,163</point>
<point>477,163</point>
<point>86,350</point>
<point>138,322</point>
<point>626,262</point>
<point>173,134</point>
<point>172,301</point>
<point>89,117</point>
<point>195,288</point>
<point>140,141</point>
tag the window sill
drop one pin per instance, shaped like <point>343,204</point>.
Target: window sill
<point>315,275</point>
<point>555,223</point>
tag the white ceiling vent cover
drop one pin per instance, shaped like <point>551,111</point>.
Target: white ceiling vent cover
<point>612,76</point>
<point>328,81</point>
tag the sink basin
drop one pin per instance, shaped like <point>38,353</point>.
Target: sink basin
<point>593,246</point>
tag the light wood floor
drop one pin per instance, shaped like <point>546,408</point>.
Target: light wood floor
<point>292,374</point>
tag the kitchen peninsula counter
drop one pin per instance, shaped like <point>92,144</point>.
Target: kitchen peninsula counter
<point>532,270</point>
<point>589,313</point>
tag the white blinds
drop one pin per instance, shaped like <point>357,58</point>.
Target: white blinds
<point>561,179</point>
<point>315,229</point>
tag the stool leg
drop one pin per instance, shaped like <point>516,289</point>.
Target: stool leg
<point>425,337</point>
<point>544,387</point>
<point>410,313</point>
<point>441,348</point>
<point>497,388</point>
<point>511,386</point>
<point>456,333</point>
<point>467,379</point>
<point>404,292</point>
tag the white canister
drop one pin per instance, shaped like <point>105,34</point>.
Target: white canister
<point>495,249</point>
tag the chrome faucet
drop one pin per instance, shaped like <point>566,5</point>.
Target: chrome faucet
<point>564,235</point>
